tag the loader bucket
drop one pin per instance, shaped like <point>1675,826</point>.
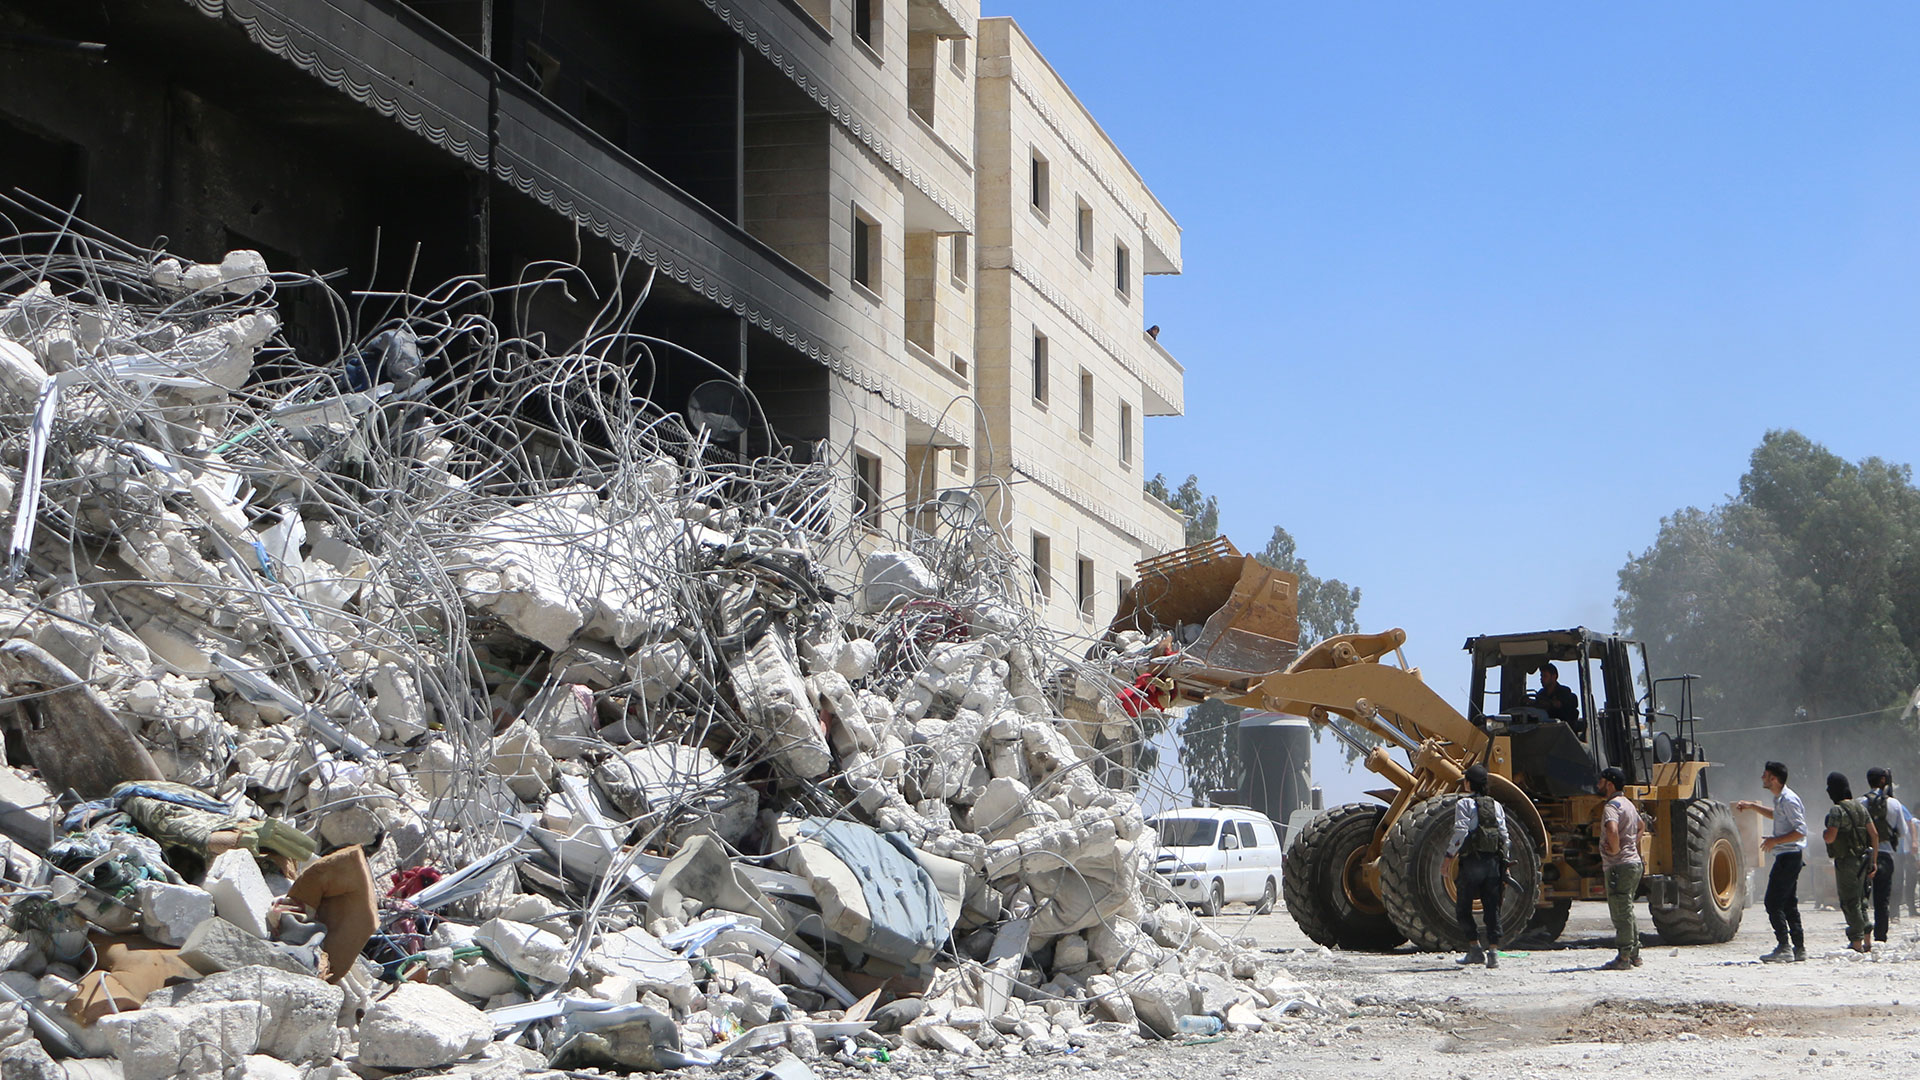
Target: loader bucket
<point>1234,616</point>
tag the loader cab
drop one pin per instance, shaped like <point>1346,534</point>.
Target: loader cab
<point>1604,672</point>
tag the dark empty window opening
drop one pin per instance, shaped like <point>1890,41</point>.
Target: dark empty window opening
<point>866,22</point>
<point>604,115</point>
<point>1043,565</point>
<point>541,70</point>
<point>866,250</point>
<point>1083,591</point>
<point>1122,271</point>
<point>1084,230</point>
<point>962,259</point>
<point>866,490</point>
<point>1038,181</point>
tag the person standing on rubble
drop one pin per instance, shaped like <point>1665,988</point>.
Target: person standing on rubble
<point>1479,843</point>
<point>1620,857</point>
<point>1788,844</point>
<point>1851,841</point>
<point>1891,823</point>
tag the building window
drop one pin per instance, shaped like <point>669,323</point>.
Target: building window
<point>1083,234</point>
<point>1083,591</point>
<point>962,258</point>
<point>958,363</point>
<point>1040,195</point>
<point>957,458</point>
<point>1126,434</point>
<point>542,71</point>
<point>1043,565</point>
<point>866,22</point>
<point>1086,404</point>
<point>1122,271</point>
<point>1039,367</point>
<point>866,251</point>
<point>604,115</point>
<point>1121,587</point>
<point>866,490</point>
<point>959,57</point>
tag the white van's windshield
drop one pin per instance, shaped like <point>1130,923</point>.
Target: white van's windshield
<point>1186,832</point>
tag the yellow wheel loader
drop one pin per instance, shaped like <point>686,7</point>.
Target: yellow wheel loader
<point>1372,875</point>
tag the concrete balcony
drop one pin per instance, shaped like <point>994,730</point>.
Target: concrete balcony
<point>410,73</point>
<point>1165,379</point>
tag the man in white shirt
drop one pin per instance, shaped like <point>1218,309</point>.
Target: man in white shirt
<point>1788,844</point>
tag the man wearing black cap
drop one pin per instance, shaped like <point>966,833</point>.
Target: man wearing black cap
<point>1480,842</point>
<point>1620,858</point>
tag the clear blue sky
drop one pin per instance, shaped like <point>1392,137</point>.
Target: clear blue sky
<point>1476,293</point>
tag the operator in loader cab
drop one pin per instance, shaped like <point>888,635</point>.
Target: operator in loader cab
<point>1560,702</point>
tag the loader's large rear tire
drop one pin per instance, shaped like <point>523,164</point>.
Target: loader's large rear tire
<point>1419,897</point>
<point>1325,891</point>
<point>1712,879</point>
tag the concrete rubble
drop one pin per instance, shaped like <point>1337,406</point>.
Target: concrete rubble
<point>370,718</point>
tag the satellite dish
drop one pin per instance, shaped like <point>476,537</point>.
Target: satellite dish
<point>959,508</point>
<point>719,407</point>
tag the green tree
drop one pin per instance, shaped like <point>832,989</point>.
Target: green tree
<point>1328,606</point>
<point>1202,512</point>
<point>1802,591</point>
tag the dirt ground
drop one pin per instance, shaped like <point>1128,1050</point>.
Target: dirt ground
<point>1704,1011</point>
<point>1700,1011</point>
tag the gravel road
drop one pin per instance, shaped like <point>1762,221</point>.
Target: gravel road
<point>1700,1011</point>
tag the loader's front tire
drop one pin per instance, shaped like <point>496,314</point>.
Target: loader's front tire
<point>1419,896</point>
<point>1712,879</point>
<point>1325,892</point>
<point>1548,923</point>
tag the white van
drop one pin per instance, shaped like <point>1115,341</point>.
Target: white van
<point>1212,856</point>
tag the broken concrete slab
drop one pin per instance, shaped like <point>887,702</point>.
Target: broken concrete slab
<point>535,953</point>
<point>301,1010</point>
<point>218,945</point>
<point>421,1027</point>
<point>239,891</point>
<point>186,1041</point>
<point>169,913</point>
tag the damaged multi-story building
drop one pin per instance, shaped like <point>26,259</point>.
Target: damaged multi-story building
<point>889,220</point>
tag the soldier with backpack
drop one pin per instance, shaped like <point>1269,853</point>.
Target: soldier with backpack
<point>1851,841</point>
<point>1480,844</point>
<point>1890,822</point>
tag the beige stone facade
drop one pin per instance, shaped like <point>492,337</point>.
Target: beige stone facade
<point>946,268</point>
<point>1067,232</point>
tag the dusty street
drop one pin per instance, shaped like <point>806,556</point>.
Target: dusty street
<point>1703,1010</point>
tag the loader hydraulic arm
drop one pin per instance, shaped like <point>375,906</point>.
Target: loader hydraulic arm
<point>1345,676</point>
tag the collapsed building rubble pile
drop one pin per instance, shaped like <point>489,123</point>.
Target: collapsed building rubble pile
<point>443,706</point>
